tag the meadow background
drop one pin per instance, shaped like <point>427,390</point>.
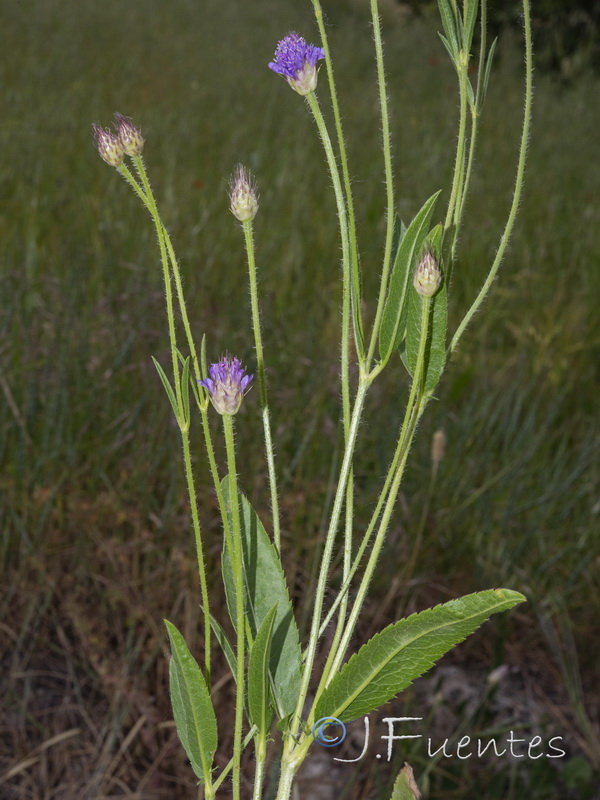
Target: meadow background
<point>96,548</point>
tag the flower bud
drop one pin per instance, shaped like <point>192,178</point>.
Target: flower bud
<point>427,275</point>
<point>243,196</point>
<point>108,145</point>
<point>227,385</point>
<point>129,136</point>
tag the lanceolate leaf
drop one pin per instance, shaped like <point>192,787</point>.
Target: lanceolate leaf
<point>168,388</point>
<point>471,7</point>
<point>451,27</point>
<point>392,659</point>
<point>258,675</point>
<point>192,707</point>
<point>266,587</point>
<point>392,328</point>
<point>226,647</point>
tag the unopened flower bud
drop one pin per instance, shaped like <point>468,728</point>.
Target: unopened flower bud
<point>109,146</point>
<point>296,60</point>
<point>243,196</point>
<point>427,275</point>
<point>129,136</point>
<point>227,385</point>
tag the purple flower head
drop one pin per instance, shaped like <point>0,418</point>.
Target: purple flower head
<point>296,60</point>
<point>227,385</point>
<point>109,146</point>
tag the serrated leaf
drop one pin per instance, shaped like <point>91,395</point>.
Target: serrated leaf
<point>192,707</point>
<point>258,675</point>
<point>392,329</point>
<point>405,786</point>
<point>451,27</point>
<point>392,659</point>
<point>168,388</point>
<point>265,587</point>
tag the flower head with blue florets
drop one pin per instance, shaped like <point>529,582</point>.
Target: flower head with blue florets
<point>227,385</point>
<point>296,60</point>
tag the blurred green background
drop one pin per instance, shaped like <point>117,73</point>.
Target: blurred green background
<point>96,546</point>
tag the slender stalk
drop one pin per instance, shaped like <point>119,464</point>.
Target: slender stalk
<point>346,300</point>
<point>229,767</point>
<point>260,363</point>
<point>185,438</point>
<point>327,552</point>
<point>475,115</point>
<point>462,66</point>
<point>236,560</point>
<point>518,183</point>
<point>150,203</point>
<point>167,252</point>
<point>355,277</point>
<point>413,412</point>
<point>389,181</point>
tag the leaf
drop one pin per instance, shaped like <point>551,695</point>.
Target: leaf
<point>392,659</point>
<point>391,331</point>
<point>451,27</point>
<point>405,786</point>
<point>168,388</point>
<point>448,47</point>
<point>471,8</point>
<point>227,649</point>
<point>265,587</point>
<point>488,69</point>
<point>435,349</point>
<point>258,675</point>
<point>192,707</point>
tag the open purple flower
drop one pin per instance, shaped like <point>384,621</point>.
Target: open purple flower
<point>296,60</point>
<point>227,385</point>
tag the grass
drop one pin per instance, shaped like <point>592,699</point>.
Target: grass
<point>96,548</point>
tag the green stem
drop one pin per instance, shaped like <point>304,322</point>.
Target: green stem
<point>328,549</point>
<point>475,115</point>
<point>229,767</point>
<point>260,362</point>
<point>413,412</point>
<point>462,66</point>
<point>189,476</point>
<point>518,183</point>
<point>151,205</point>
<point>259,772</point>
<point>238,576</point>
<point>389,182</point>
<point>346,300</point>
<point>355,277</point>
<point>286,780</point>
<point>163,235</point>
